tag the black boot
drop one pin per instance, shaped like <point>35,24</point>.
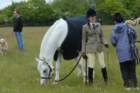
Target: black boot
<point>104,74</point>
<point>90,75</point>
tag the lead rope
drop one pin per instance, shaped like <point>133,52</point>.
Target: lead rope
<point>70,71</point>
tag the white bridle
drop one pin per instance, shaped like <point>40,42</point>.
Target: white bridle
<point>49,76</point>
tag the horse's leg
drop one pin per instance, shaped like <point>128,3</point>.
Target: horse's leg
<point>57,67</point>
<point>80,67</point>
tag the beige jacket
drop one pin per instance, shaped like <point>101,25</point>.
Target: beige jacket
<point>92,38</point>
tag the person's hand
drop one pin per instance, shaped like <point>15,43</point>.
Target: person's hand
<point>106,45</point>
<point>84,55</point>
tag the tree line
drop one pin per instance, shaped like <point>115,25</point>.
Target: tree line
<point>38,13</point>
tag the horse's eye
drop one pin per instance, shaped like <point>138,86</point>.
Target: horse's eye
<point>44,71</point>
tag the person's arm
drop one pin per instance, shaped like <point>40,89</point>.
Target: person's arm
<point>101,35</point>
<point>15,23</point>
<point>83,39</point>
<point>20,23</point>
<point>133,32</point>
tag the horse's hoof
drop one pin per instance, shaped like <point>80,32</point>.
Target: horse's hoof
<point>55,83</point>
<point>43,82</point>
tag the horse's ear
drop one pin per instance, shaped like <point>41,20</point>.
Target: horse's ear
<point>37,59</point>
<point>43,58</point>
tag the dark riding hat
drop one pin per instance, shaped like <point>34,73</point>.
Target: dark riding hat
<point>118,17</point>
<point>90,12</point>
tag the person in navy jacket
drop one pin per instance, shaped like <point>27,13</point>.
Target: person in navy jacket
<point>17,28</point>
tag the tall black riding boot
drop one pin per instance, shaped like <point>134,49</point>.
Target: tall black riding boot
<point>90,75</point>
<point>104,74</point>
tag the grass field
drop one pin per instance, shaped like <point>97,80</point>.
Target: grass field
<point>18,73</point>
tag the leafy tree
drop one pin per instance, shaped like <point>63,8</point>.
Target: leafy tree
<point>108,7</point>
<point>37,12</point>
<point>136,8</point>
<point>70,8</point>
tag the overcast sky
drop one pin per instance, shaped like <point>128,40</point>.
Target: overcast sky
<point>4,3</point>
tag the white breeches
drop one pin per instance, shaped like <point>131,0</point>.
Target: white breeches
<point>94,57</point>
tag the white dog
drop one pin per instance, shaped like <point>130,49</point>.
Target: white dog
<point>3,46</point>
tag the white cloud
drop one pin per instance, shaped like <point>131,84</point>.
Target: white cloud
<point>5,3</point>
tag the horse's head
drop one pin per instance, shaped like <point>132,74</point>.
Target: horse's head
<point>45,71</point>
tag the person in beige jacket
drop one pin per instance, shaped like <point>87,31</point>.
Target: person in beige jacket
<point>92,45</point>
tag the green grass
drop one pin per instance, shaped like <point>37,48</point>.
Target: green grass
<point>18,73</point>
